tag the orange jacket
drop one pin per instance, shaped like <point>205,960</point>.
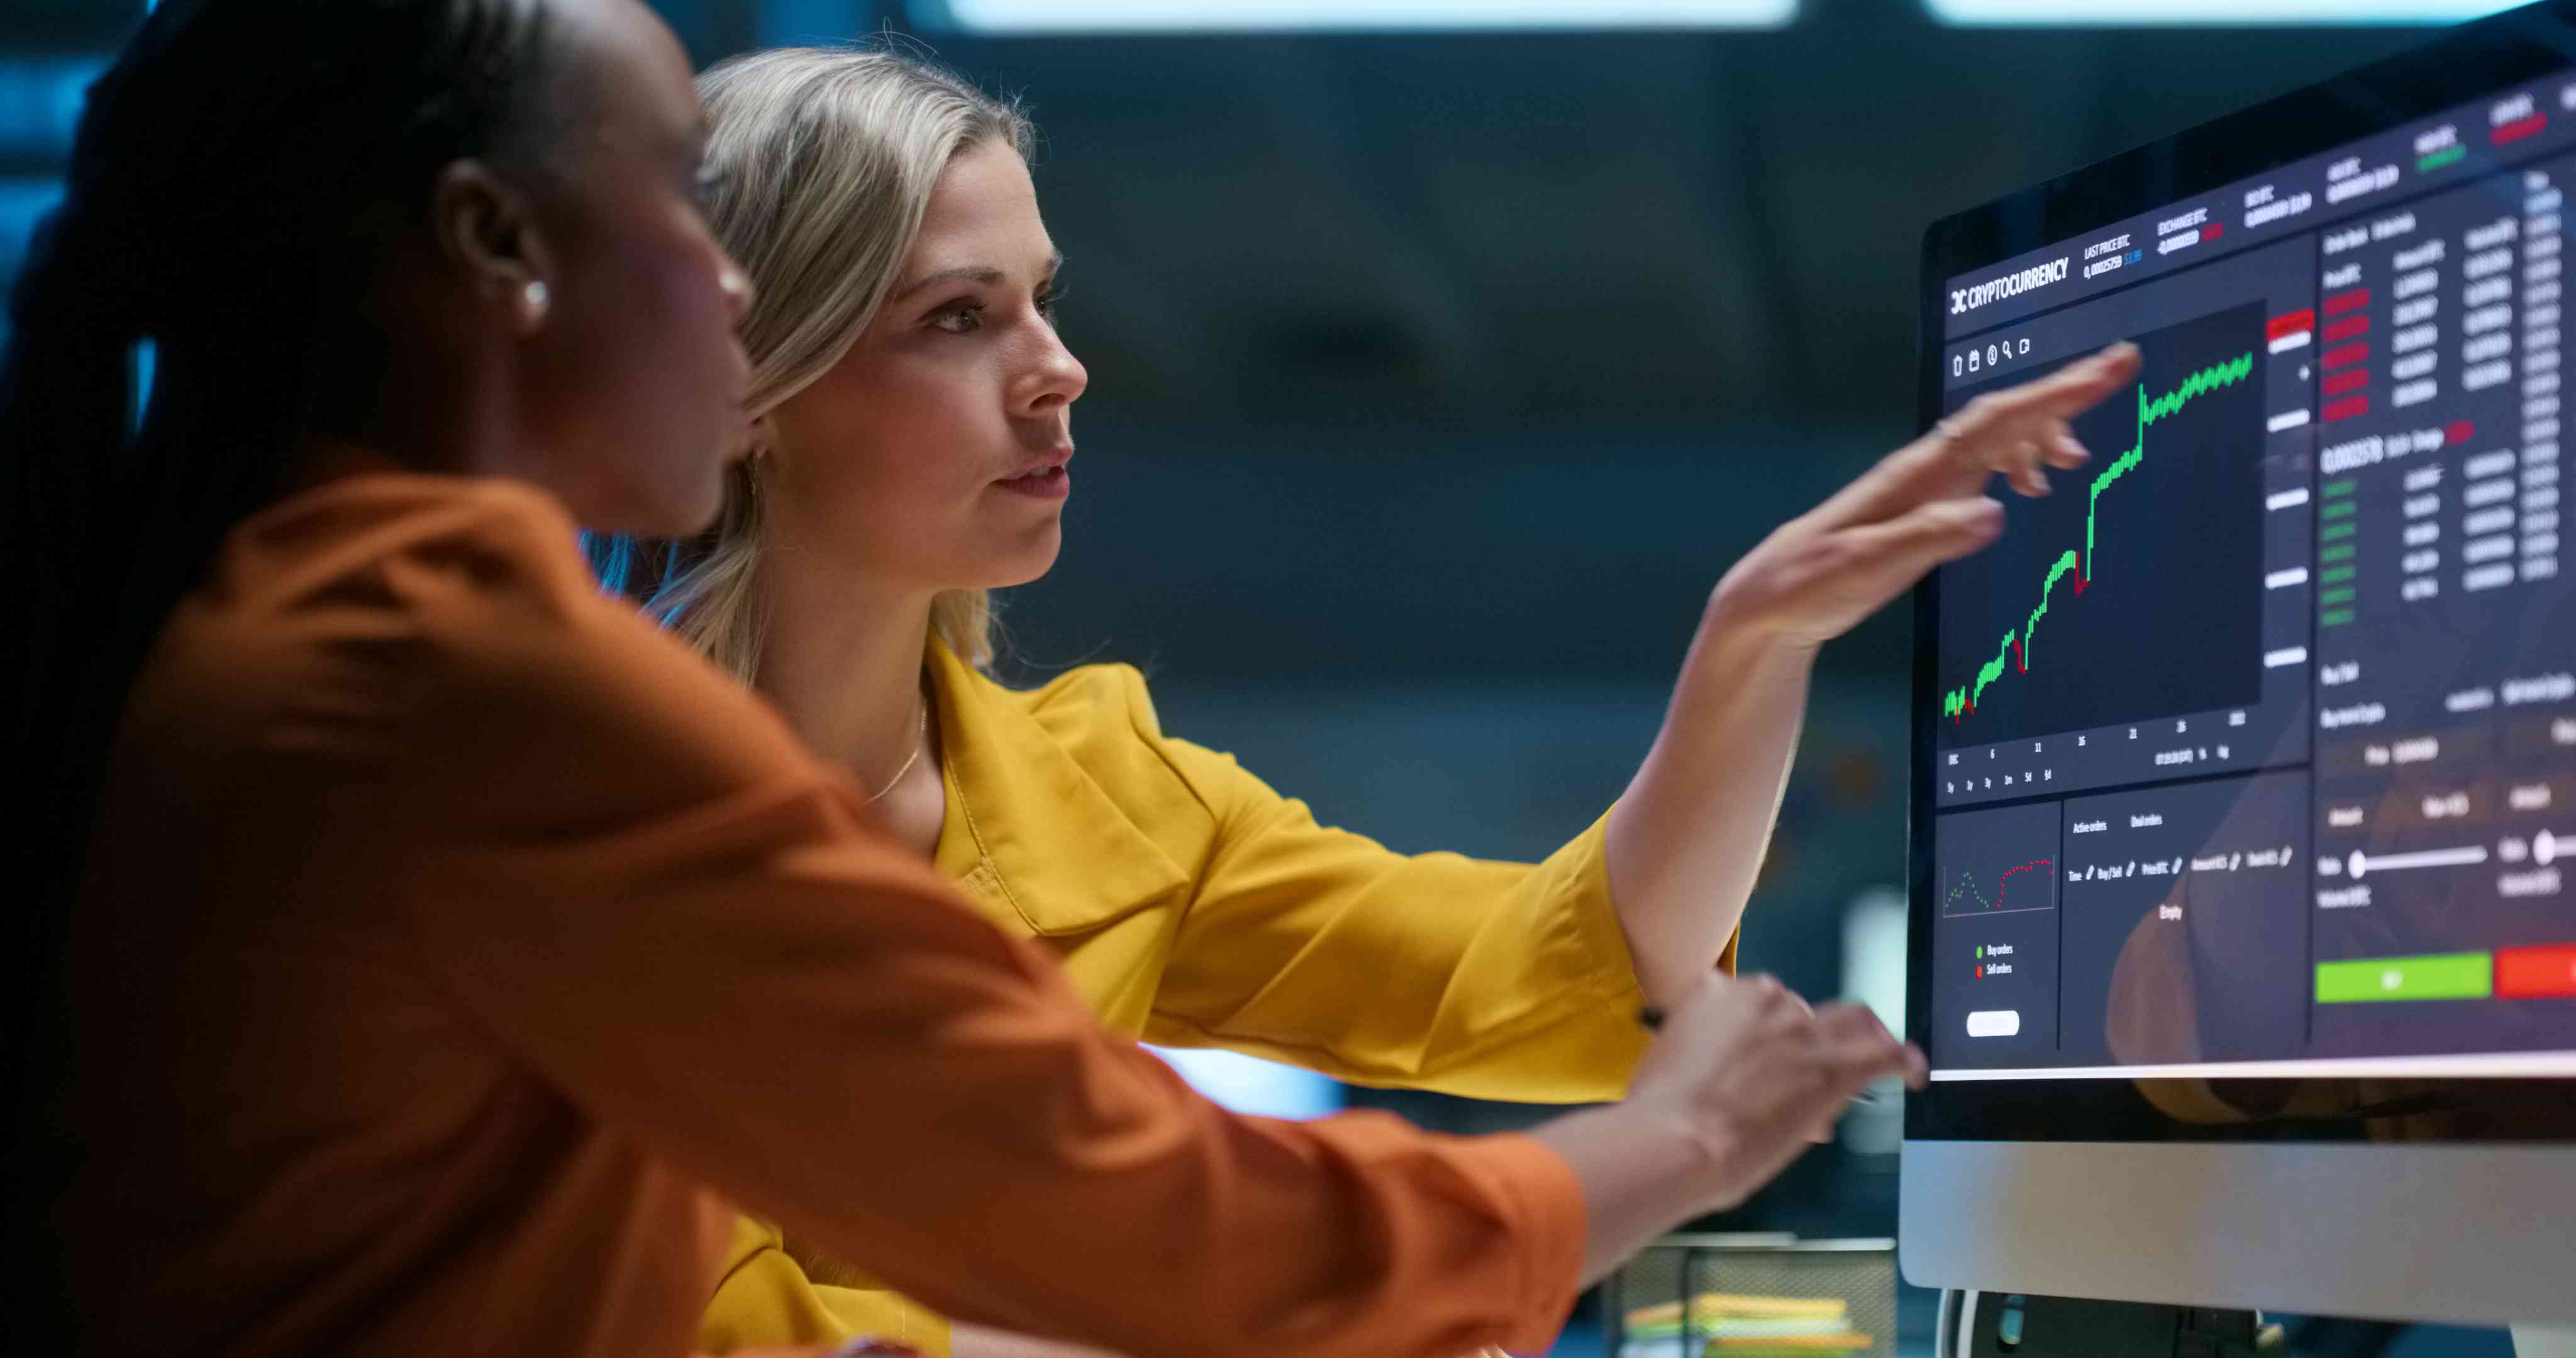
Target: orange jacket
<point>454,938</point>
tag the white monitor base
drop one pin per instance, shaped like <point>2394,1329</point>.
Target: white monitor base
<point>2534,1341</point>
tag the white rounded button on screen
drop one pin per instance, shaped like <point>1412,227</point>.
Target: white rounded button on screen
<point>1994,1023</point>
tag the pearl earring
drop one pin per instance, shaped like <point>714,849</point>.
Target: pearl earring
<point>533,300</point>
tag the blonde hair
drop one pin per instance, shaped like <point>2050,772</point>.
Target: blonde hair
<point>822,161</point>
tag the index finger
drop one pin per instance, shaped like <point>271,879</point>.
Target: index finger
<point>1953,458</point>
<point>2067,392</point>
<point>2079,386</point>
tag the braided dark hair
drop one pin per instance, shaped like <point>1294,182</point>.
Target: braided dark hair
<point>237,173</point>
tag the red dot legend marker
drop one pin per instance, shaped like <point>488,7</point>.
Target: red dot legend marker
<point>2458,432</point>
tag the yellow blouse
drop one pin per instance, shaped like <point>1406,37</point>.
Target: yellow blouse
<point>1193,906</point>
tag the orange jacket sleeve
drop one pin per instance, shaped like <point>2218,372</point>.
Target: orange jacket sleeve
<point>676,915</point>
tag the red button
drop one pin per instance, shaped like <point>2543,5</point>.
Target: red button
<point>2536,973</point>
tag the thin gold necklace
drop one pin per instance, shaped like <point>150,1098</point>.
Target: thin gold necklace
<point>920,742</point>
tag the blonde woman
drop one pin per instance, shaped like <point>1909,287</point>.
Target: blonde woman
<point>911,452</point>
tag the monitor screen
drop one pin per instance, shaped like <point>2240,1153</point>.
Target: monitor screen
<point>2253,748</point>
<point>2244,782</point>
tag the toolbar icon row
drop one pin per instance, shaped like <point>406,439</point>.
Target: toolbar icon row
<point>1994,355</point>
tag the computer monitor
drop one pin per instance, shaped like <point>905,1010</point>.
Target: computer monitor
<point>2244,787</point>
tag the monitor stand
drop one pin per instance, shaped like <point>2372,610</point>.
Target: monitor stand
<point>2534,1341</point>
<point>2021,1325</point>
<point>2061,1327</point>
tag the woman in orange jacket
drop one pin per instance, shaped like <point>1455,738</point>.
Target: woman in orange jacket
<point>913,433</point>
<point>425,951</point>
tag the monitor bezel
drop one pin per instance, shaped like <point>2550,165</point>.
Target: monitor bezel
<point>2468,63</point>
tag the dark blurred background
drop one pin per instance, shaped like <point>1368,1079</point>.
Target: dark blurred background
<point>1438,375</point>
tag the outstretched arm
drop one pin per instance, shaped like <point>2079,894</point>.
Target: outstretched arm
<point>1686,841</point>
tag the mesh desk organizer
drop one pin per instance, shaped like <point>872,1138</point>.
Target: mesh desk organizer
<point>1753,1296</point>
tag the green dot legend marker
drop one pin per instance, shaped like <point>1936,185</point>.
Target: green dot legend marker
<point>1981,950</point>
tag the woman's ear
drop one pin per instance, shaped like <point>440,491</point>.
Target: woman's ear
<point>487,228</point>
<point>758,437</point>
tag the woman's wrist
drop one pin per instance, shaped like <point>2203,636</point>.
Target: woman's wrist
<point>1643,1168</point>
<point>1702,1148</point>
<point>1741,618</point>
<point>1741,653</point>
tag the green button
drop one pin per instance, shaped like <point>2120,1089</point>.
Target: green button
<point>2442,976</point>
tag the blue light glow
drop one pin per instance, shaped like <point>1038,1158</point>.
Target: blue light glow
<point>40,103</point>
<point>23,203</point>
<point>1249,1085</point>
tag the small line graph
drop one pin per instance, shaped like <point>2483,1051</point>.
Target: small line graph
<point>1961,703</point>
<point>2143,581</point>
<point>1969,896</point>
